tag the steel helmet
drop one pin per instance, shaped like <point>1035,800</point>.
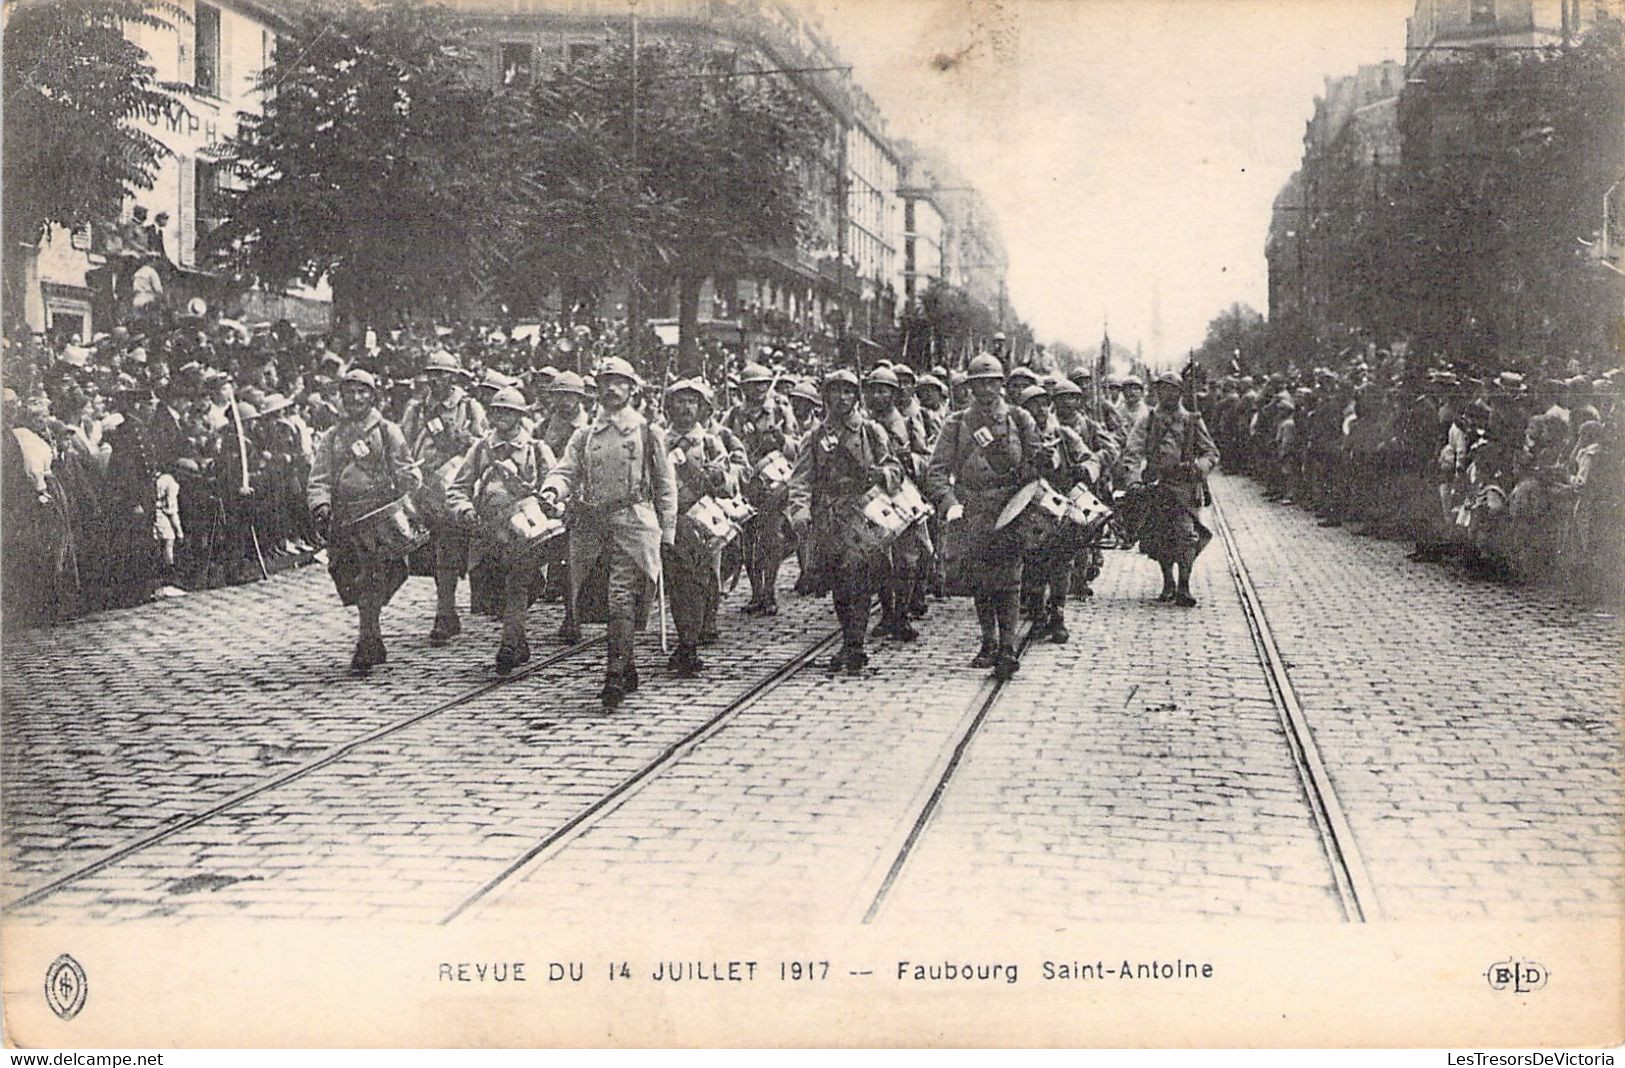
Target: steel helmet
<point>568,382</point>
<point>1033,392</point>
<point>442,361</point>
<point>755,372</point>
<point>618,368</point>
<point>902,371</point>
<point>357,376</point>
<point>841,377</point>
<point>806,391</point>
<point>1023,371</point>
<point>1167,378</point>
<point>985,366</point>
<point>881,376</point>
<point>1081,373</point>
<point>1065,387</point>
<point>685,385</point>
<point>509,398</point>
<point>933,381</point>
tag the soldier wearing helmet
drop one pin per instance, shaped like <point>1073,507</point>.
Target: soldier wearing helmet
<point>910,555</point>
<point>843,458</point>
<point>439,429</point>
<point>764,422</point>
<point>618,478</point>
<point>932,395</point>
<point>502,469</point>
<point>805,402</point>
<point>361,464</point>
<point>1071,402</point>
<point>693,570</point>
<point>1169,454</point>
<point>1065,461</point>
<point>733,560</point>
<point>983,456</point>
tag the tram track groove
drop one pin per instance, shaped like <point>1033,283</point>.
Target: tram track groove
<point>1356,892</point>
<point>928,798</point>
<point>556,841</point>
<point>330,756</point>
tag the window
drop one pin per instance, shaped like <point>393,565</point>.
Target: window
<point>516,63</point>
<point>208,204</point>
<point>206,50</point>
<point>1482,12</point>
<point>581,52</point>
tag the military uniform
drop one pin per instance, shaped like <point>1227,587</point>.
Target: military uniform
<point>362,463</point>
<point>622,494</point>
<point>841,460</point>
<point>499,470</point>
<point>1174,451</point>
<point>982,457</point>
<point>555,430</point>
<point>693,572</point>
<point>440,432</point>
<point>764,429</point>
<point>1046,580</point>
<point>911,553</point>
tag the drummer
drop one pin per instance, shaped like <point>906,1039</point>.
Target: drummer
<point>1071,402</point>
<point>982,457</point>
<point>805,402</point>
<point>439,429</point>
<point>738,470</point>
<point>909,555</point>
<point>624,508</point>
<point>361,464</point>
<point>843,458</point>
<point>504,467</point>
<point>765,424</point>
<point>1171,452</point>
<point>1046,577</point>
<point>932,393</point>
<point>692,571</point>
<point>565,397</point>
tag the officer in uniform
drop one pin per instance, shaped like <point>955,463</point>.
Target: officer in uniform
<point>765,424</point>
<point>842,460</point>
<point>618,477</point>
<point>361,463</point>
<point>1046,577</point>
<point>507,465</point>
<point>982,457</point>
<point>911,552</point>
<point>439,430</point>
<point>692,571</point>
<point>1171,451</point>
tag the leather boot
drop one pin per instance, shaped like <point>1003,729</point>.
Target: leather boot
<point>1057,625</point>
<point>1007,664</point>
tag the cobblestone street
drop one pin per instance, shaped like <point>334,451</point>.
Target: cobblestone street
<point>1141,772</point>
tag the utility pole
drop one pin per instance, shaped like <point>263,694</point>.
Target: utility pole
<point>634,299</point>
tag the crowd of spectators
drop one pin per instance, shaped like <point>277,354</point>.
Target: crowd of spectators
<point>170,454</point>
<point>1514,475</point>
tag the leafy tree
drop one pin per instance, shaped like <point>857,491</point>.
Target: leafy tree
<point>72,81</point>
<point>1239,329</point>
<point>716,182</point>
<point>383,161</point>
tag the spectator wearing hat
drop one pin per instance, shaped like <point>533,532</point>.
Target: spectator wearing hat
<point>440,429</point>
<point>982,457</point>
<point>765,424</point>
<point>361,464</point>
<point>622,489</point>
<point>844,457</point>
<point>908,560</point>
<point>503,468</point>
<point>692,569</point>
<point>1171,451</point>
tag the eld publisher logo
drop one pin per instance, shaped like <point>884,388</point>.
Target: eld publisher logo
<point>1518,976</point>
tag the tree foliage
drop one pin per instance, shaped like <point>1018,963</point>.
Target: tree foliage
<point>72,81</point>
<point>1239,335</point>
<point>383,161</point>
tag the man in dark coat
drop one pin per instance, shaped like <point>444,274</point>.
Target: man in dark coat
<point>1171,451</point>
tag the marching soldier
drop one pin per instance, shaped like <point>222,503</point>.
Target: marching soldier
<point>738,468</point>
<point>932,394</point>
<point>1072,410</point>
<point>1046,578</point>
<point>361,464</point>
<point>1171,452</point>
<point>806,403</point>
<point>693,571</point>
<point>566,395</point>
<point>506,466</point>
<point>911,552</point>
<point>842,459</point>
<point>617,475</point>
<point>765,424</point>
<point>982,457</point>
<point>439,430</point>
